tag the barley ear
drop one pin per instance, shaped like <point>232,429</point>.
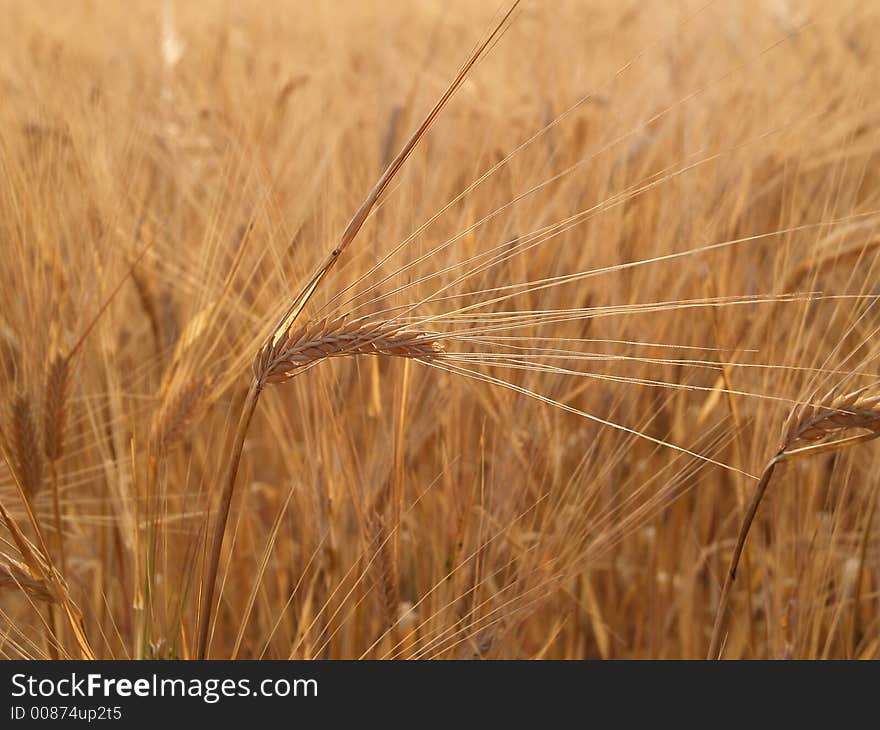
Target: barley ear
<point>837,423</point>
<point>16,575</point>
<point>55,406</point>
<point>178,411</point>
<point>27,454</point>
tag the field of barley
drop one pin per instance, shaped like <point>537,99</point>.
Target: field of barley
<point>593,374</point>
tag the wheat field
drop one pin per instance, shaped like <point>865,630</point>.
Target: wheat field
<point>595,377</point>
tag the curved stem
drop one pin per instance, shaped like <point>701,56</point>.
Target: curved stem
<point>247,412</point>
<point>748,518</point>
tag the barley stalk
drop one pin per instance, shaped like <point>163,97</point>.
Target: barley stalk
<point>280,361</point>
<point>810,430</point>
<point>287,349</point>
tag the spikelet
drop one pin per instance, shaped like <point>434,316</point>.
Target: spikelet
<point>386,574</point>
<point>55,406</point>
<point>25,444</point>
<point>811,426</point>
<point>179,408</point>
<point>321,339</point>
